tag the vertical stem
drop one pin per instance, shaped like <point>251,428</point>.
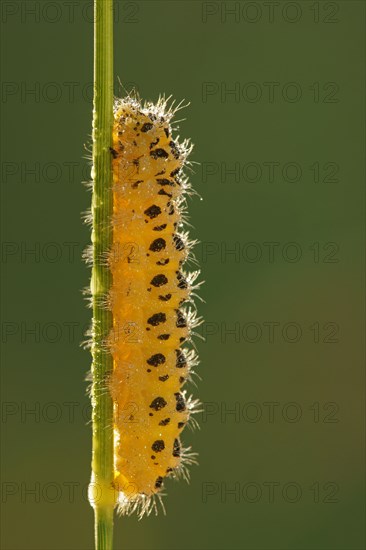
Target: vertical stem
<point>101,494</point>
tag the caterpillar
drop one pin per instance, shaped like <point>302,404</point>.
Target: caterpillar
<point>152,303</point>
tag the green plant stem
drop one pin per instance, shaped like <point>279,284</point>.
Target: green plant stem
<point>101,493</point>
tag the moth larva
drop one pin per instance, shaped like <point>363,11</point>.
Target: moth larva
<point>151,302</point>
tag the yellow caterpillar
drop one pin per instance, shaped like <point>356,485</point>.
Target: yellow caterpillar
<point>151,303</point>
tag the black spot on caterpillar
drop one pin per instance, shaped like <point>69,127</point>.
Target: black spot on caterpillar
<point>156,360</point>
<point>153,211</point>
<point>158,482</point>
<point>158,403</point>
<point>159,280</point>
<point>176,448</point>
<point>179,244</point>
<point>158,446</point>
<point>157,245</point>
<point>181,360</point>
<point>181,404</point>
<point>159,153</point>
<point>165,298</point>
<point>147,126</point>
<point>163,262</point>
<point>164,181</point>
<point>157,319</point>
<point>164,422</point>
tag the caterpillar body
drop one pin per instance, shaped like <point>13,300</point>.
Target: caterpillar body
<point>151,301</point>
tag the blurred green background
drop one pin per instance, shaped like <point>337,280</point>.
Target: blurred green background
<point>277,118</point>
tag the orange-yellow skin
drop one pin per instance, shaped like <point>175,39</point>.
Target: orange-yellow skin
<point>146,395</point>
